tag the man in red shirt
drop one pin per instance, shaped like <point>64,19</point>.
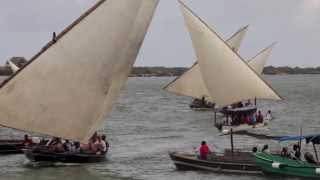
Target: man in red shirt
<point>204,150</point>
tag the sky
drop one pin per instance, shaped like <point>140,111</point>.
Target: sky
<point>27,25</point>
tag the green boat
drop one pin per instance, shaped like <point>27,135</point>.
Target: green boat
<point>275,164</point>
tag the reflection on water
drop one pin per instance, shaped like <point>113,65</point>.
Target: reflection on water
<point>148,122</point>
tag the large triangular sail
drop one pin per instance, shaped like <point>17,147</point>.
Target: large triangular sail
<point>48,97</point>
<point>259,61</point>
<point>191,84</point>
<point>227,77</point>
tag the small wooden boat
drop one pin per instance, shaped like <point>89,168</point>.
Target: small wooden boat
<point>201,105</point>
<point>275,164</point>
<point>238,162</point>
<point>42,155</point>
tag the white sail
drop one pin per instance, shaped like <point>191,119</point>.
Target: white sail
<point>227,77</point>
<point>236,39</point>
<point>13,67</point>
<point>191,84</point>
<point>259,61</point>
<point>100,47</point>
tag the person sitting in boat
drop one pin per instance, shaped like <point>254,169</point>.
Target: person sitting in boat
<point>285,153</point>
<point>203,100</point>
<point>56,145</point>
<point>265,149</point>
<point>100,146</point>
<point>248,103</point>
<point>68,146</point>
<point>106,144</point>
<point>296,152</point>
<point>259,117</point>
<point>246,119</point>
<point>27,141</point>
<point>268,116</point>
<point>309,158</point>
<point>204,150</point>
<point>253,119</point>
<point>240,105</point>
<point>254,149</point>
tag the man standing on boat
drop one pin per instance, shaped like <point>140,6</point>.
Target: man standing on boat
<point>204,150</point>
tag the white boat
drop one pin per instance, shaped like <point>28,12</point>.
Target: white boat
<point>100,47</point>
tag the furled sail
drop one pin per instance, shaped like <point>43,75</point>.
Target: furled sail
<point>191,84</point>
<point>259,61</point>
<point>13,67</point>
<point>100,48</point>
<point>227,77</point>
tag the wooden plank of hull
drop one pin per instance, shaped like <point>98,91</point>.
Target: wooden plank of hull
<point>43,156</point>
<point>11,146</point>
<point>184,162</point>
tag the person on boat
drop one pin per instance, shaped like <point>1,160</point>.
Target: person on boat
<point>248,103</point>
<point>253,119</point>
<point>204,150</point>
<point>100,146</point>
<point>254,149</point>
<point>106,144</point>
<point>27,141</point>
<point>285,153</point>
<point>265,149</point>
<point>67,145</point>
<point>309,158</point>
<point>55,145</point>
<point>259,117</point>
<point>246,119</point>
<point>268,116</point>
<point>240,105</point>
<point>296,152</point>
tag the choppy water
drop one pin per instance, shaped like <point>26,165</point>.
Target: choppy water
<point>148,122</point>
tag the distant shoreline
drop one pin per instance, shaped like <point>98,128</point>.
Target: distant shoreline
<point>177,71</point>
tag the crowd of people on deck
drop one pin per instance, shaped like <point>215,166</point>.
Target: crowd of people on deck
<point>97,144</point>
<point>252,119</point>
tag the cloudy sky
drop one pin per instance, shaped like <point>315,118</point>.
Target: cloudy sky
<point>26,25</point>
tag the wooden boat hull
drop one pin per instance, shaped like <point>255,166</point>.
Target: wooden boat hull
<point>277,165</point>
<point>11,147</point>
<point>239,166</point>
<point>45,156</point>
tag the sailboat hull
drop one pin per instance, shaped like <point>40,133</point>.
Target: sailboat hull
<point>45,156</point>
<point>241,163</point>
